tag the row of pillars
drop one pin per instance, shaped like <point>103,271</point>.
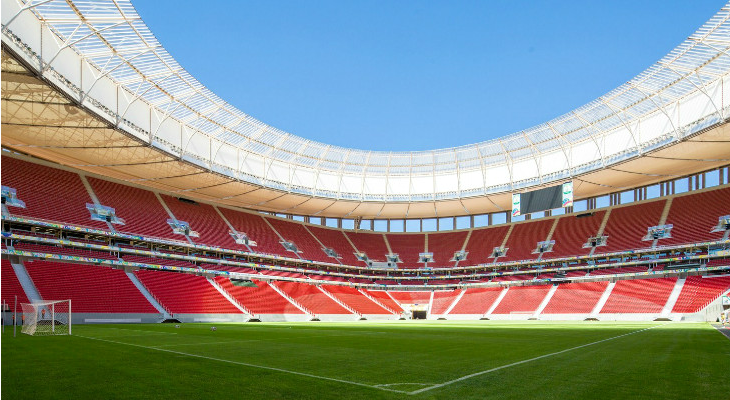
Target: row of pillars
<point>694,182</point>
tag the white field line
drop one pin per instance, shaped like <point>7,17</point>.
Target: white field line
<point>405,383</point>
<point>240,341</point>
<point>248,365</point>
<point>723,331</point>
<point>139,331</point>
<point>204,343</point>
<point>465,377</point>
<point>126,336</point>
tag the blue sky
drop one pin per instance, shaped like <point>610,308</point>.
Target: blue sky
<point>416,75</point>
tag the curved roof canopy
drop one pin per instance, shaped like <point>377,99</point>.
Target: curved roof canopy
<point>103,54</point>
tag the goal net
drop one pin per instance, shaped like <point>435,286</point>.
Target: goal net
<point>45,318</point>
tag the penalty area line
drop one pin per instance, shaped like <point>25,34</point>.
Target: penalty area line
<point>465,377</point>
<point>248,365</point>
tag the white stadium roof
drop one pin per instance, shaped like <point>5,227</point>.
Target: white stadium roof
<point>105,60</point>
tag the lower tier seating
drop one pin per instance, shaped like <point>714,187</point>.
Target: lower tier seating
<point>698,292</point>
<point>261,299</point>
<point>476,301</point>
<point>575,298</point>
<point>10,285</point>
<point>639,296</point>
<point>355,300</point>
<point>442,301</point>
<point>522,299</point>
<point>411,297</point>
<point>384,299</point>
<point>185,294</point>
<point>311,298</point>
<point>100,289</point>
<point>92,289</point>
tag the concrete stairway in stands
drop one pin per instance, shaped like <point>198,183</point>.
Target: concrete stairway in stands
<point>230,298</point>
<point>545,301</point>
<point>672,300</point>
<point>146,293</point>
<point>456,300</point>
<point>340,302</point>
<point>292,301</point>
<point>25,281</point>
<point>496,302</point>
<point>376,301</point>
<point>602,300</point>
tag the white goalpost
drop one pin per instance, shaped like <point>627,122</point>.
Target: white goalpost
<point>46,318</point>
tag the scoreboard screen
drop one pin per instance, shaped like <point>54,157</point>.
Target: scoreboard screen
<point>543,199</point>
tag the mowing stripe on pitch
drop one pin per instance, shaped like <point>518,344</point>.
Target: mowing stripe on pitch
<point>465,377</point>
<point>247,364</point>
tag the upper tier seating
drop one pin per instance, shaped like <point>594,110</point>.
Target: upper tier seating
<point>335,239</point>
<point>185,294</point>
<point>10,285</point>
<point>261,299</point>
<point>407,246</point>
<point>142,212</point>
<point>355,300</point>
<point>202,218</point>
<point>481,244</point>
<point>523,239</point>
<point>311,298</point>
<point>444,245</point>
<point>60,195</point>
<point>575,298</point>
<point>572,232</point>
<point>371,244</point>
<point>698,292</point>
<point>639,296</point>
<point>253,225</point>
<point>308,246</point>
<point>628,225</point>
<point>522,299</point>
<point>442,300</point>
<point>476,301</point>
<point>695,215</point>
<point>48,193</point>
<point>92,289</point>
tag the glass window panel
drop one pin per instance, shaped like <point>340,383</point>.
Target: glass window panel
<point>397,225</point>
<point>446,224</point>
<point>499,218</point>
<point>413,225</point>
<point>481,220</point>
<point>463,222</point>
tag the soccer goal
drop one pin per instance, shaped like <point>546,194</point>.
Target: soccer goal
<point>45,318</point>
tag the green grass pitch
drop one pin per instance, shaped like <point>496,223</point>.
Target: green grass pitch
<point>371,360</point>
